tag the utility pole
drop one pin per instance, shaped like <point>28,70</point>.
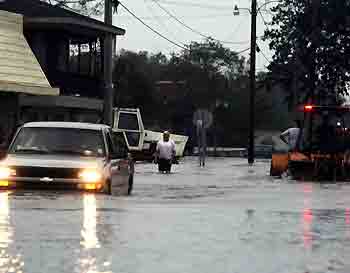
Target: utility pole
<point>315,41</point>
<point>315,6</point>
<point>108,67</point>
<point>251,152</point>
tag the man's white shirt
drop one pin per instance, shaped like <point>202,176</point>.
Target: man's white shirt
<point>291,135</point>
<point>166,149</point>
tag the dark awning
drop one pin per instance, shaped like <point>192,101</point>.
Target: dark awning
<point>71,25</point>
<point>37,13</point>
<point>70,102</point>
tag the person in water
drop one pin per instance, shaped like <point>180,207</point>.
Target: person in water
<point>165,153</point>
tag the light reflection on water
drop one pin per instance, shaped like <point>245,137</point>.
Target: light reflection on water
<point>89,232</point>
<point>8,261</point>
<point>347,223</point>
<point>5,227</point>
<point>307,224</point>
<point>87,262</point>
<point>307,216</point>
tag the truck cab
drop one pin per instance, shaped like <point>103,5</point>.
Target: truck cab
<point>83,156</point>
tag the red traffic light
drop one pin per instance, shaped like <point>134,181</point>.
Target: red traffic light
<point>308,108</point>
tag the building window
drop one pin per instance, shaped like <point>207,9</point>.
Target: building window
<point>85,57</point>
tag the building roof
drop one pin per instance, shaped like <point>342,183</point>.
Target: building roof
<point>61,101</point>
<point>19,69</point>
<point>68,125</point>
<point>39,14</point>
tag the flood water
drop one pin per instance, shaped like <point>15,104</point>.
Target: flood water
<point>227,217</point>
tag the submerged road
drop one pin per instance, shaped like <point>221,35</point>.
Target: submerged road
<point>225,218</point>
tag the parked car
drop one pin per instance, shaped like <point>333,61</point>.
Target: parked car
<point>83,156</point>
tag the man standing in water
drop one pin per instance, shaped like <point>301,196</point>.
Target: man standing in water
<point>292,136</point>
<point>165,153</point>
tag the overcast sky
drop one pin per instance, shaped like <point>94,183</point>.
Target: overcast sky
<point>212,18</point>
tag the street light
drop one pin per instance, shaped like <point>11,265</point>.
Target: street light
<point>236,10</point>
<point>253,11</point>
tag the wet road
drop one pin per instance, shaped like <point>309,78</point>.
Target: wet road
<point>225,218</point>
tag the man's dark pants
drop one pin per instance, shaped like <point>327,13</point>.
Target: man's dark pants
<point>164,165</point>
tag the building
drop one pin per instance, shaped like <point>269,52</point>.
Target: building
<point>171,91</point>
<point>51,65</point>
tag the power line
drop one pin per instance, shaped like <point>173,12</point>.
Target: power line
<point>262,17</point>
<point>190,28</point>
<point>197,5</point>
<point>163,36</point>
<point>267,59</point>
<point>152,29</point>
<point>214,15</point>
<point>176,19</point>
<point>262,53</point>
<point>160,22</point>
<point>236,28</point>
<point>242,51</point>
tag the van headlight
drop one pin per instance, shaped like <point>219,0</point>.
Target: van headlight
<point>6,172</point>
<point>90,176</point>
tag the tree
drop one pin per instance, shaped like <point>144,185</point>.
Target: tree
<point>311,44</point>
<point>217,79</point>
<point>133,77</point>
<point>86,7</point>
<point>207,66</point>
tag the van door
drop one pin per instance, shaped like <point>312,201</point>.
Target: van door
<point>119,165</point>
<point>129,122</point>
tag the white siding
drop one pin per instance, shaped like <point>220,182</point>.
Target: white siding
<point>19,69</point>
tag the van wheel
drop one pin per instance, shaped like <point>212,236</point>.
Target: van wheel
<point>131,183</point>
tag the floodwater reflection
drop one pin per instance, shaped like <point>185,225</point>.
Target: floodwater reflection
<point>8,262</point>
<point>307,216</point>
<point>307,224</point>
<point>89,240</point>
<point>5,227</point>
<point>91,257</point>
<point>347,223</point>
<point>89,232</point>
<point>347,217</point>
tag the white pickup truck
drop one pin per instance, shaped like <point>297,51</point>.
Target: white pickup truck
<point>141,142</point>
<point>90,157</point>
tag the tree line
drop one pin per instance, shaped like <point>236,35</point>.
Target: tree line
<point>207,75</point>
<point>311,44</point>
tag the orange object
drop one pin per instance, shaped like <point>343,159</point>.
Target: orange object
<point>279,164</point>
<point>295,156</point>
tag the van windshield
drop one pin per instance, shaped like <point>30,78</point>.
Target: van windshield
<point>39,140</point>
